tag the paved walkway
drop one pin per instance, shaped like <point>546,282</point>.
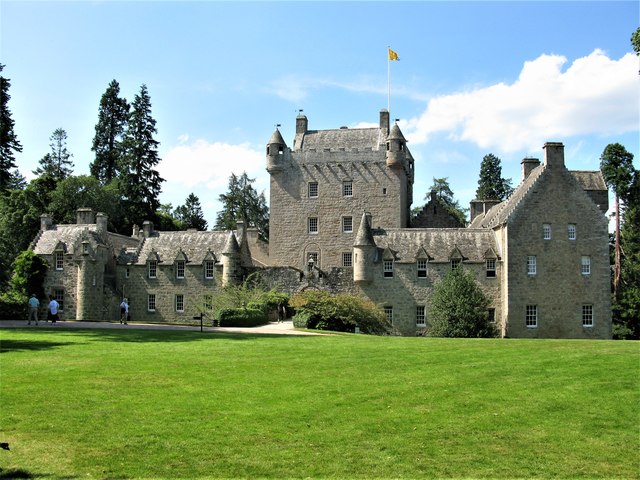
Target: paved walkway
<point>282,328</point>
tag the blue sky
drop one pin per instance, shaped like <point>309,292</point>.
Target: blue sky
<point>473,78</point>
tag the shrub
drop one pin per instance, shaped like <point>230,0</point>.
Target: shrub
<point>342,312</point>
<point>241,317</point>
<point>13,305</point>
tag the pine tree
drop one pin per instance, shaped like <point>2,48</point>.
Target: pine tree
<point>242,202</point>
<point>110,129</point>
<point>57,163</point>
<point>445,194</point>
<point>9,144</point>
<point>491,185</point>
<point>617,169</point>
<point>140,182</point>
<point>190,214</point>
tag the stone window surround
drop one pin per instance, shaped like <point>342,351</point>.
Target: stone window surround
<point>531,316</point>
<point>347,259</point>
<point>546,231</point>
<point>179,302</point>
<point>585,265</point>
<point>312,189</point>
<point>312,225</point>
<point>421,316</point>
<point>587,316</point>
<point>571,231</point>
<point>532,265</point>
<point>347,188</point>
<point>347,224</point>
<point>151,302</point>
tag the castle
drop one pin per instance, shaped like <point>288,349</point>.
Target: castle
<point>340,221</point>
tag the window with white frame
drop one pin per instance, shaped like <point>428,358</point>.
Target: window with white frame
<point>313,224</point>
<point>59,260</point>
<point>208,269</point>
<point>531,316</point>
<point>151,302</point>
<point>312,256</point>
<point>388,311</point>
<point>153,269</point>
<point>421,318</point>
<point>532,265</point>
<point>546,231</point>
<point>347,224</point>
<point>585,265</point>
<point>347,259</point>
<point>587,315</point>
<point>571,231</point>
<point>491,267</point>
<point>127,272</point>
<point>180,269</point>
<point>313,189</point>
<point>179,302</point>
<point>387,268</point>
<point>347,188</point>
<point>58,294</point>
<point>422,268</point>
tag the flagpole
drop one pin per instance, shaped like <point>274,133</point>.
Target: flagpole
<point>388,81</point>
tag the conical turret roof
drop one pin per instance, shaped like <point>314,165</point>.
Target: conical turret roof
<point>364,236</point>
<point>231,247</point>
<point>276,137</point>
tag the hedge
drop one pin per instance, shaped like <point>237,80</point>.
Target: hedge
<point>242,317</point>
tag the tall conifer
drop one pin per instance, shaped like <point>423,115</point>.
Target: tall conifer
<point>9,143</point>
<point>491,185</point>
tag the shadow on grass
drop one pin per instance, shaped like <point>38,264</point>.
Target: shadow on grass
<point>11,473</point>
<point>32,345</point>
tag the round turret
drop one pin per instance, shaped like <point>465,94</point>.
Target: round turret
<point>275,152</point>
<point>396,148</point>
<point>364,250</point>
<point>231,261</point>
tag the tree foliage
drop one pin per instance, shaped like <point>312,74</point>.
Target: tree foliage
<point>459,307</point>
<point>242,202</point>
<point>635,41</point>
<point>108,145</point>
<point>140,181</point>
<point>56,164</point>
<point>9,144</point>
<point>190,214</point>
<point>491,184</point>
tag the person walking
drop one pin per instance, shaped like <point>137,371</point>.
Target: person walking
<point>53,309</point>
<point>124,311</point>
<point>34,304</point>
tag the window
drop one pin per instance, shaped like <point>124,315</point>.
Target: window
<point>208,269</point>
<point>455,263</point>
<point>58,294</point>
<point>491,267</point>
<point>422,268</point>
<point>59,259</point>
<point>179,303</point>
<point>313,225</point>
<point>571,229</point>
<point>388,311</point>
<point>153,268</point>
<point>347,224</point>
<point>491,315</point>
<point>585,265</point>
<point>587,315</point>
<point>151,302</point>
<point>532,266</point>
<point>180,269</point>
<point>127,273</point>
<point>532,316</point>
<point>347,188</point>
<point>420,316</point>
<point>313,256</point>
<point>387,268</point>
<point>85,248</point>
<point>347,259</point>
<point>313,189</point>
<point>208,303</point>
<point>546,231</point>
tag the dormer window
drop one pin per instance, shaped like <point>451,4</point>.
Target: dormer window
<point>455,263</point>
<point>180,269</point>
<point>153,268</point>
<point>59,260</point>
<point>85,248</point>
<point>422,268</point>
<point>387,268</point>
<point>208,269</point>
<point>491,267</point>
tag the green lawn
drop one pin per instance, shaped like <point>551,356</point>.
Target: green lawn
<point>167,404</point>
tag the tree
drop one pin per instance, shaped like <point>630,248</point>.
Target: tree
<point>445,194</point>
<point>491,185</point>
<point>617,169</point>
<point>242,202</point>
<point>190,214</point>
<point>110,130</point>
<point>635,41</point>
<point>9,144</point>
<point>459,307</point>
<point>57,163</point>
<point>140,181</point>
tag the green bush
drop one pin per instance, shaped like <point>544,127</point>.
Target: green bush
<point>342,313</point>
<point>241,317</point>
<point>13,306</point>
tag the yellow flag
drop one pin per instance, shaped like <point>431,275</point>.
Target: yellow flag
<point>393,55</point>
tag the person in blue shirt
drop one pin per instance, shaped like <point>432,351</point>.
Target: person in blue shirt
<point>34,304</point>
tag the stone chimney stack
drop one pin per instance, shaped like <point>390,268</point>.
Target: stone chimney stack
<point>101,222</point>
<point>147,228</point>
<point>301,124</point>
<point>46,221</point>
<point>136,231</point>
<point>553,154</point>
<point>384,121</point>
<point>528,164</point>
<point>84,216</point>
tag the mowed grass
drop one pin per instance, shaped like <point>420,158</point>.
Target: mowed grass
<point>167,404</point>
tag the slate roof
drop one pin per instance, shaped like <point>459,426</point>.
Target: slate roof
<point>167,245</point>
<point>48,240</point>
<point>589,180</point>
<point>343,138</point>
<point>439,243</point>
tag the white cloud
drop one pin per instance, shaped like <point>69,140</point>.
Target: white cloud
<point>595,94</point>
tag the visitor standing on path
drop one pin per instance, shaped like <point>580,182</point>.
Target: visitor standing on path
<point>53,309</point>
<point>34,304</point>
<point>124,311</point>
